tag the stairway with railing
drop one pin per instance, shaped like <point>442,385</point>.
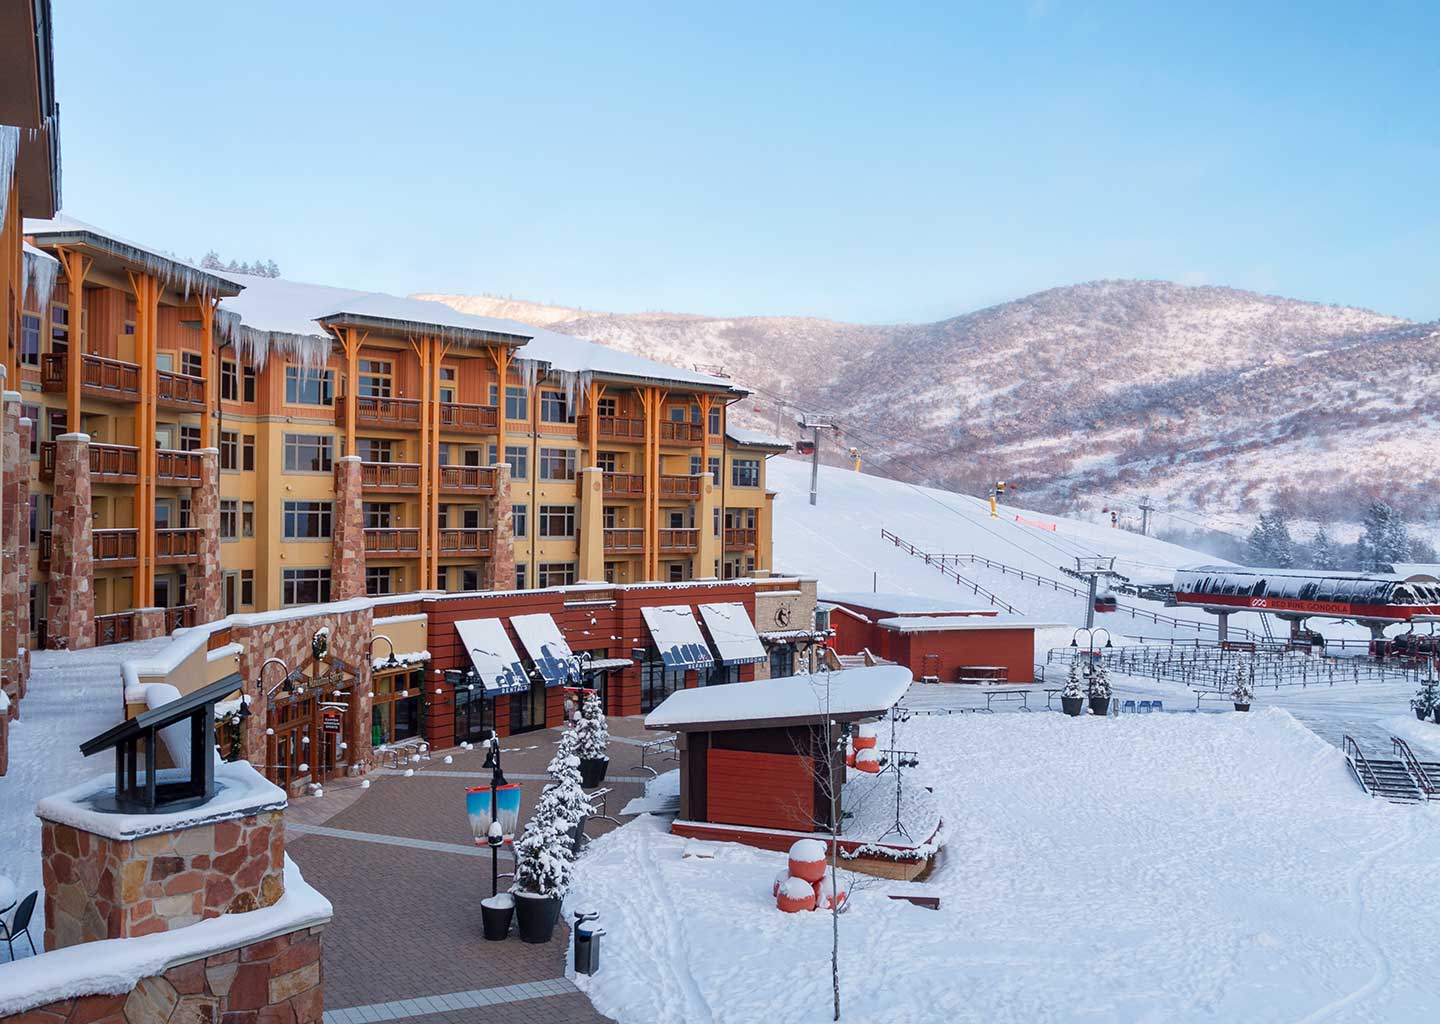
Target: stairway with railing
<point>953,574</point>
<point>1400,780</point>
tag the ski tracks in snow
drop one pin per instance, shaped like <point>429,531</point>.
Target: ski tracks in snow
<point>1382,973</point>
<point>667,949</point>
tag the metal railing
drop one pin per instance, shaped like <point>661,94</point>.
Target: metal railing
<point>1416,769</point>
<point>1215,668</point>
<point>945,570</point>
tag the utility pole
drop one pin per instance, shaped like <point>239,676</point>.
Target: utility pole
<point>1145,509</point>
<point>806,423</point>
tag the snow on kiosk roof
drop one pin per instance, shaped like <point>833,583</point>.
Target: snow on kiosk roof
<point>854,693</point>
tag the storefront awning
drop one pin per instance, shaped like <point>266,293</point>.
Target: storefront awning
<point>733,633</point>
<point>493,656</point>
<point>546,645</point>
<point>677,635</point>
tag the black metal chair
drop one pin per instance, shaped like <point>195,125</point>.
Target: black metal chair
<point>20,924</point>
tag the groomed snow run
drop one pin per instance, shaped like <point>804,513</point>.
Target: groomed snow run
<point>1143,868</point>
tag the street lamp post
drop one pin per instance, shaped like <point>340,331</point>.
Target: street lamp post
<point>495,835</point>
<point>1089,651</point>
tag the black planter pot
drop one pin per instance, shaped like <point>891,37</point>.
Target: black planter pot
<point>497,920</point>
<point>592,771</point>
<point>1072,705</point>
<point>1420,713</point>
<point>1241,707</point>
<point>1100,706</point>
<point>536,916</point>
<point>1437,712</point>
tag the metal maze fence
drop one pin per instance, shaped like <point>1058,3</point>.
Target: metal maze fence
<point>1215,668</point>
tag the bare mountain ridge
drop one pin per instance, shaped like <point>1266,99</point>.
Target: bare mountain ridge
<point>1102,391</point>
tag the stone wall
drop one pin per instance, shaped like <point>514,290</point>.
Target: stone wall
<point>71,617</point>
<point>97,887</point>
<point>499,571</point>
<point>278,981</point>
<point>205,517</point>
<point>347,544</point>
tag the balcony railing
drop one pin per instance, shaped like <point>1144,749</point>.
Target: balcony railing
<point>681,433</point>
<point>392,541</point>
<point>177,544</point>
<point>683,488</point>
<point>182,616</point>
<point>467,479</point>
<point>622,539</point>
<point>114,629</point>
<point>613,428</point>
<point>469,419</point>
<point>679,541</point>
<point>739,537</point>
<point>178,390</point>
<point>395,413</point>
<point>109,463</point>
<point>99,377</point>
<point>467,541</point>
<point>623,485</point>
<point>109,548</point>
<point>177,469</point>
<point>390,476</point>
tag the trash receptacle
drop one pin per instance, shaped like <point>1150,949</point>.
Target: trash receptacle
<point>587,947</point>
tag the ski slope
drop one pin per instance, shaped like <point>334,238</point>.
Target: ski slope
<point>838,541</point>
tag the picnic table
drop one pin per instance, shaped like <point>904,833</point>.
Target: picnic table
<point>658,750</point>
<point>991,696</point>
<point>398,754</point>
<point>1050,692</point>
<point>982,674</point>
<point>1204,695</point>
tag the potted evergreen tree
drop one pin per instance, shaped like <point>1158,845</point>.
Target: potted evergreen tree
<point>1072,698</point>
<point>592,739</point>
<point>544,857</point>
<point>1243,691</point>
<point>1099,690</point>
<point>564,769</point>
<point>1426,699</point>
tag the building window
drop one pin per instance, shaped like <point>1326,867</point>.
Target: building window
<point>308,520</point>
<point>555,407</point>
<point>715,469</point>
<point>247,587</point>
<point>229,518</point>
<point>557,464</point>
<point>309,387</point>
<point>229,449</point>
<point>34,518</point>
<point>375,449</point>
<point>375,379</point>
<point>606,461</point>
<point>606,407</point>
<point>676,572</point>
<point>378,515</point>
<point>185,523</point>
<point>520,577</point>
<point>305,586</point>
<point>517,403</point>
<point>447,384</point>
<point>745,473</point>
<point>518,520</point>
<point>190,364</point>
<point>555,574</point>
<point>29,339</point>
<point>714,419</point>
<point>247,519</point>
<point>32,413</point>
<point>519,458</point>
<point>557,521</point>
<point>717,522</point>
<point>229,381</point>
<point>59,328</point>
<point>697,465</point>
<point>247,453</point>
<point>379,581</point>
<point>247,383</point>
<point>189,439</point>
<point>309,453</point>
<point>782,661</point>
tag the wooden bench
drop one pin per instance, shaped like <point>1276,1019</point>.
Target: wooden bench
<point>982,674</point>
<point>991,696</point>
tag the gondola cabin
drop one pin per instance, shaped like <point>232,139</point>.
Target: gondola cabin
<point>1374,597</point>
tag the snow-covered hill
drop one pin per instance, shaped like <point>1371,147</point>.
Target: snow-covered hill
<point>1208,399</point>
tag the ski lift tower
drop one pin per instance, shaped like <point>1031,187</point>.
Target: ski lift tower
<point>814,426</point>
<point>1093,567</point>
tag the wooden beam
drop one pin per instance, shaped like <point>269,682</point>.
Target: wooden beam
<point>207,366</point>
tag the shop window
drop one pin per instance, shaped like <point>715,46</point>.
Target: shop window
<point>527,710</point>
<point>657,682</point>
<point>474,715</point>
<point>782,661</point>
<point>395,710</point>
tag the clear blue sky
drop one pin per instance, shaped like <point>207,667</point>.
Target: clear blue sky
<point>864,163</point>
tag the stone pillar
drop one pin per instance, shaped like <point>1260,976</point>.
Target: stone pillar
<point>22,526</point>
<point>71,605</point>
<point>710,545</point>
<point>592,525</point>
<point>205,517</point>
<point>10,548</point>
<point>499,572</point>
<point>149,623</point>
<point>347,551</point>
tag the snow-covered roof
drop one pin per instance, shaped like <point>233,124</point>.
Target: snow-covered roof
<point>754,438</point>
<point>902,604</point>
<point>176,273</point>
<point>794,700</point>
<point>573,356</point>
<point>421,316</point>
<point>1424,571</point>
<point>950,623</point>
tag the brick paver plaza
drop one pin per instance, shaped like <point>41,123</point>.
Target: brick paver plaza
<point>400,865</point>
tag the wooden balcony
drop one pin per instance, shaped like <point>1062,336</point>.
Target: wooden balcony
<point>177,469</point>
<point>624,540</point>
<point>471,541</point>
<point>109,379</point>
<point>675,542</point>
<point>739,538</point>
<point>613,428</point>
<point>109,463</point>
<point>623,485</point>
<point>176,546</point>
<point>111,549</point>
<point>182,616</point>
<point>402,542</point>
<point>469,419</point>
<point>467,480</point>
<point>390,413</point>
<point>179,391</point>
<point>679,488</point>
<point>118,628</point>
<point>390,476</point>
<point>672,432</point>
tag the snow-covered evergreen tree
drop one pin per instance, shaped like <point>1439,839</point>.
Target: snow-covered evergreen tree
<point>1243,690</point>
<point>1270,544</point>
<point>1427,698</point>
<point>1321,552</point>
<point>1386,539</point>
<point>544,857</point>
<point>564,768</point>
<point>592,733</point>
<point>1099,682</point>
<point>1072,681</point>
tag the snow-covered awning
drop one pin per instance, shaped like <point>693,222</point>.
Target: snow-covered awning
<point>493,656</point>
<point>546,645</point>
<point>677,636</point>
<point>733,633</point>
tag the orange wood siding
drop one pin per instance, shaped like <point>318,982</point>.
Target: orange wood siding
<point>760,790</point>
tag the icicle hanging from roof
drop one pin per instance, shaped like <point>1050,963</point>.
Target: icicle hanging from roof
<point>254,347</point>
<point>9,151</point>
<point>41,270</point>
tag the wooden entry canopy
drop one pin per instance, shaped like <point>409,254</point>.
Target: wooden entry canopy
<point>147,794</point>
